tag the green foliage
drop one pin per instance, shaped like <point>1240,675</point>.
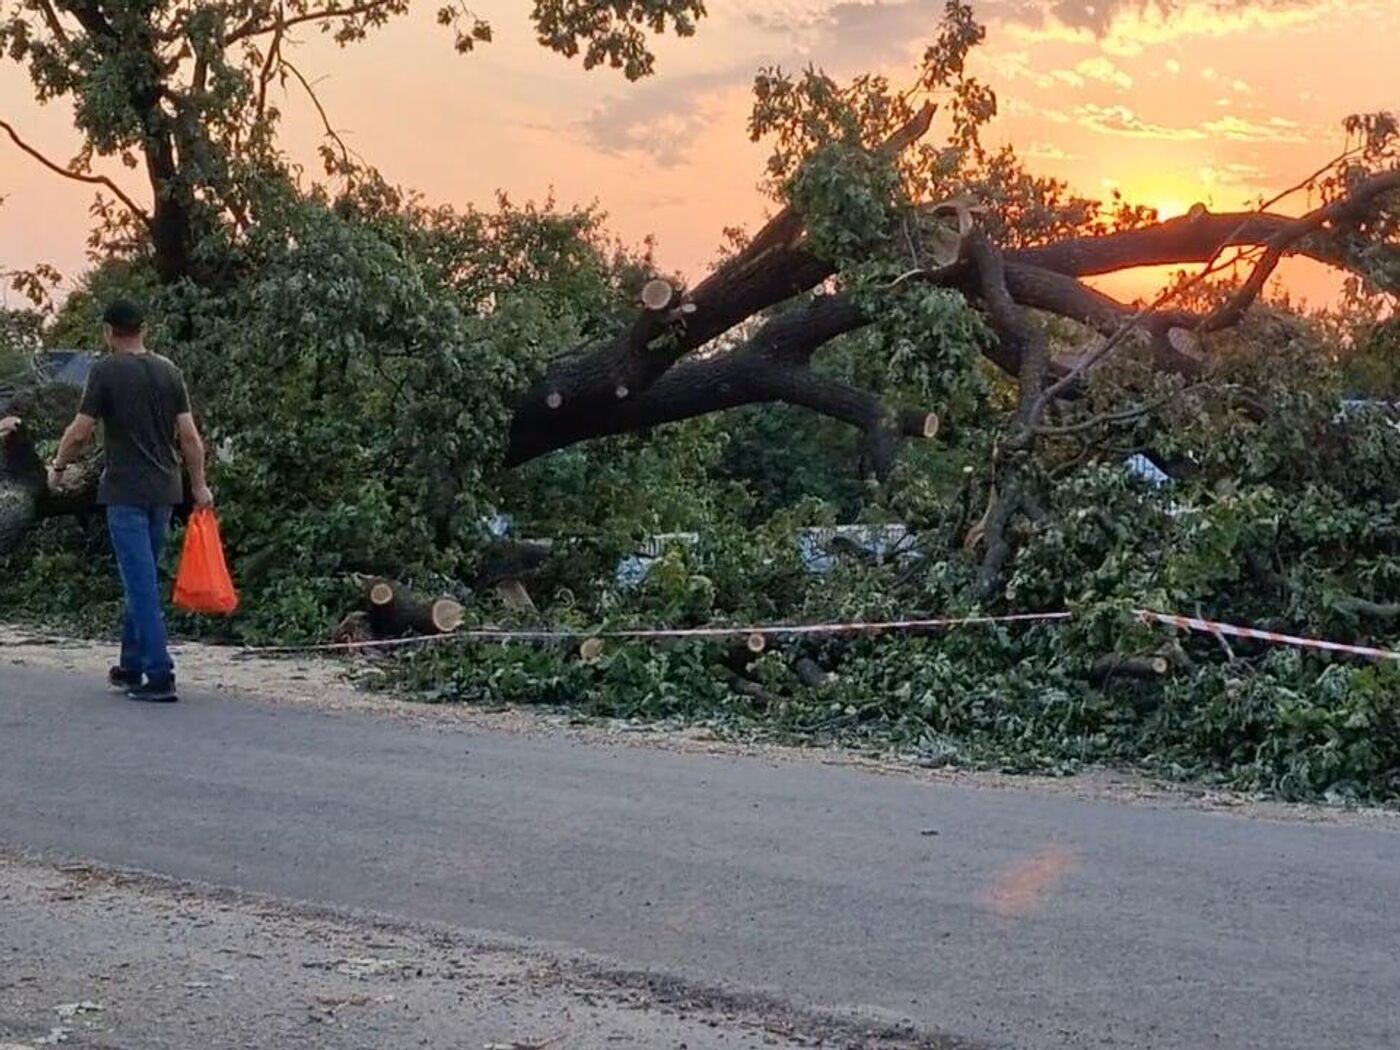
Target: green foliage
<point>77,324</point>
<point>787,455</point>
<point>358,387</point>
<point>831,157</point>
<point>612,32</point>
<point>355,386</point>
<point>925,349</point>
<point>63,573</point>
<point>19,338</point>
<point>1370,358</point>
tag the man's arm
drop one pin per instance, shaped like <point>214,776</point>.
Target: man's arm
<point>78,434</point>
<point>192,451</point>
<point>91,408</point>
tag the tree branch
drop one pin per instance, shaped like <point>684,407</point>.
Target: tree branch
<point>46,8</point>
<point>274,50</point>
<point>251,28</point>
<point>771,366</point>
<point>76,176</point>
<point>588,393</point>
<point>1176,242</point>
<point>1363,607</point>
<point>582,389</point>
<point>1067,297</point>
<point>1017,332</point>
<point>1125,415</point>
<point>1284,237</point>
<point>331,133</point>
<point>1338,213</point>
<point>1116,339</point>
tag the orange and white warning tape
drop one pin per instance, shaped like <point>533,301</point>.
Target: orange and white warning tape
<point>506,634</point>
<point>1195,623</point>
<point>852,627</point>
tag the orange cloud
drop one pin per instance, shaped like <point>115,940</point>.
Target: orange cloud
<point>1126,27</point>
<point>1120,120</point>
<point>1237,129</point>
<point>1046,151</point>
<point>1100,68</point>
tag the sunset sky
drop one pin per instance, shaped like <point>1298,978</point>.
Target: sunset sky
<point>1172,102</point>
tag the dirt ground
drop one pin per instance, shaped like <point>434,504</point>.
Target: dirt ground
<point>99,959</point>
<point>328,682</point>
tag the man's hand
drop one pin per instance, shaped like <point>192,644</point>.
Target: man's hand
<point>203,496</point>
<point>56,478</point>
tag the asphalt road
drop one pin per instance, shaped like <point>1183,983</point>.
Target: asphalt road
<point>1003,917</point>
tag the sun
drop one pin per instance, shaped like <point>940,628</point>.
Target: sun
<point>1169,195</point>
<point>1170,207</point>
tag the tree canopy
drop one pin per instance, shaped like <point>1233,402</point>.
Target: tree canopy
<point>182,89</point>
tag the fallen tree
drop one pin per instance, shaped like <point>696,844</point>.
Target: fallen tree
<point>668,366</point>
<point>25,497</point>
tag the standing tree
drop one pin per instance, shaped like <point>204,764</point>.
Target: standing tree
<point>182,89</point>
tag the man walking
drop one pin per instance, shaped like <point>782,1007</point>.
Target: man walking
<point>141,401</point>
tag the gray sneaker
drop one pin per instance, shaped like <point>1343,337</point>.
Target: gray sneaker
<point>121,678</point>
<point>159,692</point>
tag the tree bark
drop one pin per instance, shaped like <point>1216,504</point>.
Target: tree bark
<point>1195,238</point>
<point>25,497</point>
<point>394,610</point>
<point>171,224</point>
<point>774,365</point>
<point>1115,665</point>
<point>18,513</point>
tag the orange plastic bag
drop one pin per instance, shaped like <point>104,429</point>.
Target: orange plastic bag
<point>202,582</point>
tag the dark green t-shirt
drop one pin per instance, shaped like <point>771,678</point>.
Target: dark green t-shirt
<point>137,397</point>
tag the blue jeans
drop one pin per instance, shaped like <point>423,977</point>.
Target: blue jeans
<point>138,537</point>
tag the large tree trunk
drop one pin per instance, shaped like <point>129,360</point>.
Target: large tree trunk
<point>636,382</point>
<point>25,498</point>
<point>17,514</point>
<point>21,482</point>
<point>596,383</point>
<point>592,384</point>
<point>19,487</point>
